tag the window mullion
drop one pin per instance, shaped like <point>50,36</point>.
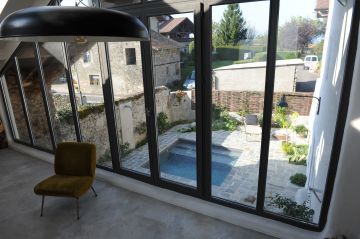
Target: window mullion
<point>23,101</point>
<point>44,93</point>
<point>268,102</point>
<point>71,92</point>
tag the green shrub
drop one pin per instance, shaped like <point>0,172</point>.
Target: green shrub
<point>280,55</point>
<point>222,120</point>
<point>141,143</point>
<point>141,128</point>
<point>216,112</point>
<point>64,115</point>
<point>300,154</point>
<point>280,117</point>
<point>260,56</point>
<point>125,149</point>
<point>164,124</point>
<point>260,120</point>
<point>297,153</point>
<point>162,121</point>
<point>301,130</point>
<point>291,208</point>
<point>287,148</point>
<point>298,179</point>
<point>85,110</point>
<point>286,55</point>
<point>236,53</point>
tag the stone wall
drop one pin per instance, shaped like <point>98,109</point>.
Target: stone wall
<point>254,101</point>
<point>15,107</point>
<point>166,65</point>
<point>35,106</point>
<point>94,129</point>
<point>127,79</point>
<point>130,118</point>
<point>37,114</point>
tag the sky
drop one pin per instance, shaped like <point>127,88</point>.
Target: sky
<point>257,13</point>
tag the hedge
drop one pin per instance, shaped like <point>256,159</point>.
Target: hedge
<point>280,55</point>
<point>235,53</point>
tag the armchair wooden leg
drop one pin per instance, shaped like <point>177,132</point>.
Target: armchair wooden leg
<point>77,208</point>
<point>42,205</point>
<point>93,191</point>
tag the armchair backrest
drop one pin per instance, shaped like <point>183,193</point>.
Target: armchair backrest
<point>75,159</point>
<point>251,120</point>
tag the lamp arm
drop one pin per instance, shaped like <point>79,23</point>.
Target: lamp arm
<point>308,96</point>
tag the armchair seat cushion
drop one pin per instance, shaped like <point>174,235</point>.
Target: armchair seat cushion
<point>64,185</point>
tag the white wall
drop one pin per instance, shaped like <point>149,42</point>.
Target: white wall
<point>344,214</point>
<point>328,87</point>
<point>241,78</point>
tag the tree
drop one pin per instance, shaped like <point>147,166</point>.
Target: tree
<point>298,33</point>
<point>318,48</point>
<point>232,28</point>
<point>215,37</point>
<point>250,35</point>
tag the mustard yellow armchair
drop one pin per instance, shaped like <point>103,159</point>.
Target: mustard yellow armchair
<point>74,165</point>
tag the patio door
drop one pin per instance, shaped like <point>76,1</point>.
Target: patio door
<point>176,81</point>
<point>236,86</point>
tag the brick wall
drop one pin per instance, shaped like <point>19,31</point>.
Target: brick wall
<point>254,101</point>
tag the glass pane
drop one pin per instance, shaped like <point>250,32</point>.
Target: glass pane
<point>301,37</point>
<point>90,99</point>
<point>128,88</point>
<point>13,99</point>
<point>239,66</point>
<point>33,96</point>
<point>52,59</point>
<point>173,53</point>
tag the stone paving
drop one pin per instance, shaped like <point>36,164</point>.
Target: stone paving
<point>240,185</point>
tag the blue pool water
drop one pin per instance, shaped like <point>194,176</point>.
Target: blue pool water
<point>180,160</point>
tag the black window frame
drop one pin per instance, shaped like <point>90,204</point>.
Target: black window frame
<point>202,9</point>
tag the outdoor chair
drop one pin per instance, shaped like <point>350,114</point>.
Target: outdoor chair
<point>251,126</point>
<point>74,173</point>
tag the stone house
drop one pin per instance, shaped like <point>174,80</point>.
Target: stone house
<point>166,60</point>
<point>126,66</point>
<point>322,9</point>
<point>179,29</point>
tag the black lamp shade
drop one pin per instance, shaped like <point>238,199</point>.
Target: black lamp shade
<point>282,103</point>
<point>57,24</point>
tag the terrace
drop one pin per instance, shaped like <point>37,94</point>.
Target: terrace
<point>239,181</point>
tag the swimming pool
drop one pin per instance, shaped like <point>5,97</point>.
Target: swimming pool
<point>179,159</point>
